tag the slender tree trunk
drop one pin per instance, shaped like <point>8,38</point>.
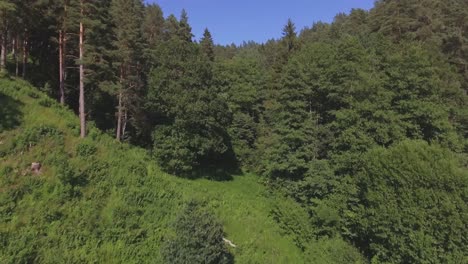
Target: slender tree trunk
<point>25,53</point>
<point>15,54</point>
<point>119,118</point>
<point>125,119</point>
<point>118,135</point>
<point>3,52</point>
<point>82,99</point>
<point>62,67</point>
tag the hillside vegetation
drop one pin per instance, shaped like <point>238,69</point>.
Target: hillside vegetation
<point>97,200</point>
<point>100,201</point>
<point>342,142</point>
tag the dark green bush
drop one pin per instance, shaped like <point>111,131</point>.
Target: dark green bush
<point>198,239</point>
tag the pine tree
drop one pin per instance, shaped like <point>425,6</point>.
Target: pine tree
<point>185,30</point>
<point>207,45</point>
<point>127,17</point>
<point>171,27</point>
<point>6,11</point>
<point>290,36</point>
<point>82,111</point>
<point>65,13</point>
<point>153,25</point>
<point>291,140</point>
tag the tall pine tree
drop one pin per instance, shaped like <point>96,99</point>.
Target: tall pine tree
<point>127,17</point>
<point>207,45</point>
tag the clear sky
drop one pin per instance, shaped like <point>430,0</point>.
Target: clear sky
<point>234,21</point>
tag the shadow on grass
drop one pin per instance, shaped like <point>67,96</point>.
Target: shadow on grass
<point>10,113</point>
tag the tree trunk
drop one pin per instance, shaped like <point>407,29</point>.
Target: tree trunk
<point>15,54</point>
<point>125,119</point>
<point>62,67</point>
<point>25,53</point>
<point>82,99</point>
<point>118,135</point>
<point>119,118</point>
<point>3,52</point>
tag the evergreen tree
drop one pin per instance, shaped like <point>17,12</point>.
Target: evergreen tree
<point>171,27</point>
<point>290,36</point>
<point>65,13</point>
<point>7,9</point>
<point>207,45</point>
<point>153,25</point>
<point>290,143</point>
<point>190,132</point>
<point>93,44</point>
<point>127,15</point>
<point>185,30</point>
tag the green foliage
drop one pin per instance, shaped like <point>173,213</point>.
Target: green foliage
<point>326,116</point>
<point>207,45</point>
<point>334,250</point>
<point>412,204</point>
<point>198,238</point>
<point>191,129</point>
<point>115,206</point>
<point>32,136</point>
<point>241,81</point>
<point>85,150</point>
<point>10,112</point>
<point>46,102</point>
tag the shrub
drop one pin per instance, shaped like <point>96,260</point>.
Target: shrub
<point>31,136</point>
<point>173,152</point>
<point>85,149</point>
<point>198,239</point>
<point>33,94</point>
<point>412,205</point>
<point>46,102</point>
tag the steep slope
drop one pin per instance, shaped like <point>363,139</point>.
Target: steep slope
<point>95,200</point>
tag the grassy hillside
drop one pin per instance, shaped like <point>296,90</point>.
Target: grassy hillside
<point>99,201</point>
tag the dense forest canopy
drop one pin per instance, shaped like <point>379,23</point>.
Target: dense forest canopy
<point>363,121</point>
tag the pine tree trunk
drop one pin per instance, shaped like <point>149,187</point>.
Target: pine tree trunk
<point>15,53</point>
<point>119,118</point>
<point>118,135</point>
<point>25,53</point>
<point>3,52</point>
<point>125,119</point>
<point>82,99</point>
<point>61,67</point>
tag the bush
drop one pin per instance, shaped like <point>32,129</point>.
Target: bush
<point>412,205</point>
<point>173,152</point>
<point>32,136</point>
<point>33,94</point>
<point>198,239</point>
<point>46,102</point>
<point>85,149</point>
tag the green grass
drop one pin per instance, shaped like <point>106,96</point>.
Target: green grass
<point>244,208</point>
<point>100,201</point>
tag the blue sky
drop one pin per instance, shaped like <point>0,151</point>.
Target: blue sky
<point>234,21</point>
